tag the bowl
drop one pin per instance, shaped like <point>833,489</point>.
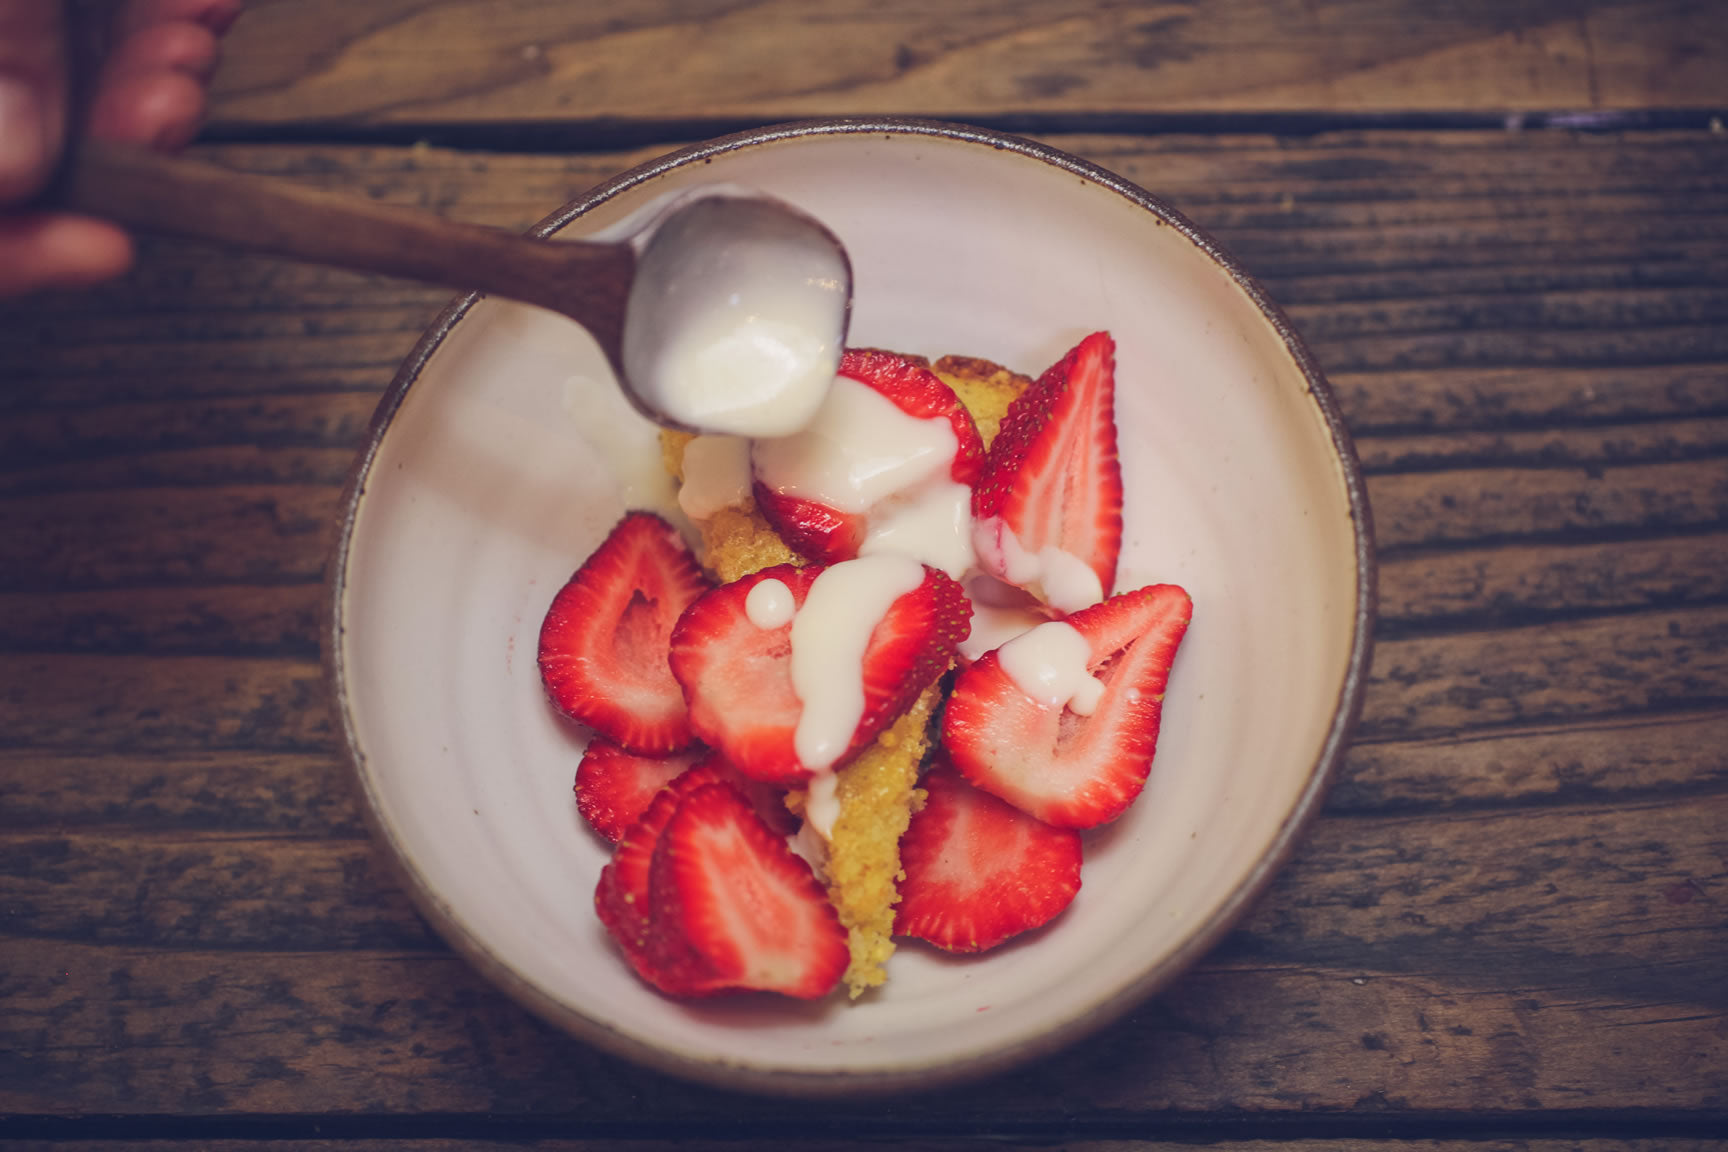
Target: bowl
<point>502,454</point>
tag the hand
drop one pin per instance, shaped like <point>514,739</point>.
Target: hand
<point>150,90</point>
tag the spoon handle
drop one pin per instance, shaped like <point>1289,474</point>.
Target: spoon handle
<point>585,281</point>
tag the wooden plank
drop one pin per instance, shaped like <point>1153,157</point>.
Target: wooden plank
<point>140,704</point>
<point>1524,583</point>
<point>1190,1127</point>
<point>1476,588</point>
<point>1419,686</point>
<point>1465,398</point>
<point>1612,665</point>
<point>240,790</point>
<point>1594,891</point>
<point>210,889</point>
<point>462,60</point>
<point>234,465</point>
<point>93,539</point>
<point>1425,508</point>
<point>228,514</point>
<point>1598,445</point>
<point>194,790</point>
<point>215,620</point>
<point>122,1031</point>
<point>1605,760</point>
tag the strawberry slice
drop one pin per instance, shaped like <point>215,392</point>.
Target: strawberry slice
<point>731,901</point>
<point>978,870</point>
<point>1049,506</point>
<point>621,899</point>
<point>827,534</point>
<point>604,641</point>
<point>738,677</point>
<point>614,786</point>
<point>1047,759</point>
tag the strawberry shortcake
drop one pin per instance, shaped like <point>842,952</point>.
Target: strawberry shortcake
<point>884,695</point>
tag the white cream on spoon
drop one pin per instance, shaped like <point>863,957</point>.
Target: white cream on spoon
<point>737,316</point>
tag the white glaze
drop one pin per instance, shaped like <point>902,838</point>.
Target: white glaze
<point>994,625</point>
<point>822,804</point>
<point>829,636</point>
<point>933,526</point>
<point>769,604</point>
<point>1060,579</point>
<point>716,475</point>
<point>1049,664</point>
<point>859,450</point>
<point>737,317</point>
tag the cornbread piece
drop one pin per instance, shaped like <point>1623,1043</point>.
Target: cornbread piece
<point>878,794</point>
<point>877,790</point>
<point>736,541</point>
<point>985,388</point>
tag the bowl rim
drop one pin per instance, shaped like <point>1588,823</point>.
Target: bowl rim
<point>907,1077</point>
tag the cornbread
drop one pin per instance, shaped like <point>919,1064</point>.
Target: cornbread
<point>877,789</point>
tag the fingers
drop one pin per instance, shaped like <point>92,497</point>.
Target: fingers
<point>151,90</point>
<point>152,87</point>
<point>216,15</point>
<point>43,251</point>
<point>32,96</point>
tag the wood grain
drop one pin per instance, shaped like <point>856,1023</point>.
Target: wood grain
<point>463,60</point>
<point>383,1032</point>
<point>1511,910</point>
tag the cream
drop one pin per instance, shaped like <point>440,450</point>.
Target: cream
<point>859,450</point>
<point>994,625</point>
<point>1049,664</point>
<point>769,604</point>
<point>1060,579</point>
<point>934,526</point>
<point>737,316</point>
<point>829,636</point>
<point>822,804</point>
<point>716,475</point>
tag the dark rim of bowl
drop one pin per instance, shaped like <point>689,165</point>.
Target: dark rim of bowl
<point>791,1081</point>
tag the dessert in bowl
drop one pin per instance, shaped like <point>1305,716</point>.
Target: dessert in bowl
<point>503,456</point>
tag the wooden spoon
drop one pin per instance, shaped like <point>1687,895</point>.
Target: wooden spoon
<point>588,281</point>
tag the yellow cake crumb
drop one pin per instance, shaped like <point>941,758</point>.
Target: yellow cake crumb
<point>736,541</point>
<point>985,388</point>
<point>878,794</point>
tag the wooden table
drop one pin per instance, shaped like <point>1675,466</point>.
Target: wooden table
<point>1504,234</point>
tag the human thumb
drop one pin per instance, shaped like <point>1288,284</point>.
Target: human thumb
<point>32,95</point>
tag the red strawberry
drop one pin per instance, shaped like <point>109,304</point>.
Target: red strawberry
<point>979,871</point>
<point>829,535</point>
<point>604,641</point>
<point>733,902</point>
<point>613,786</point>
<point>1066,769</point>
<point>1052,482</point>
<point>622,897</point>
<point>738,677</point>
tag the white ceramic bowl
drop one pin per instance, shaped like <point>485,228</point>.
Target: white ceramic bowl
<point>501,456</point>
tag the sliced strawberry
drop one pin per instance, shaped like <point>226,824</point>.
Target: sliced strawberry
<point>1071,770</point>
<point>978,870</point>
<point>621,899</point>
<point>737,677</point>
<point>729,892</point>
<point>614,786</point>
<point>1049,506</point>
<point>828,534</point>
<point>604,641</point>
